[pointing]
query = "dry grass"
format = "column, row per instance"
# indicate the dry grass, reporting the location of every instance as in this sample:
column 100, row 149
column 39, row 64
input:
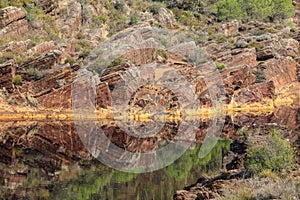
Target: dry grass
column 263, row 188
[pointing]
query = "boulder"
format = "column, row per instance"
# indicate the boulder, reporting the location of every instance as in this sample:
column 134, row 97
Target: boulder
column 166, row 18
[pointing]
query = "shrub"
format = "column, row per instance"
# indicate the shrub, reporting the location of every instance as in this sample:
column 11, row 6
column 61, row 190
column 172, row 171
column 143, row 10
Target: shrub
column 7, row 55
column 222, row 38
column 134, row 19
column 271, row 153
column 33, row 72
column 117, row 61
column 260, row 76
column 256, row 45
column 154, row 8
column 221, row 66
column 229, row 9
column 267, row 173
column 70, row 60
column 200, row 38
column 17, row 80
column 119, row 5
column 162, row 53
column 84, row 47
column 98, row 21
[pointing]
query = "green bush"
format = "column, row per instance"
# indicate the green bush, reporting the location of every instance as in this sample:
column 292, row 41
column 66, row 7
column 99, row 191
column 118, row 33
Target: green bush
column 254, row 9
column 70, row 60
column 84, row 47
column 271, row 153
column 33, row 72
column 221, row 66
column 260, row 76
column 7, row 55
column 134, row 19
column 256, row 45
column 162, row 53
column 154, row 8
column 222, row 38
column 17, row 80
column 117, row 61
column 229, row 9
column 98, row 21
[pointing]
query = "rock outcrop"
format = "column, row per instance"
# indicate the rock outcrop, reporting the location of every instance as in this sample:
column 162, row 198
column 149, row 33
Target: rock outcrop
column 7, row 72
column 71, row 19
column 167, row 18
column 281, row 71
column 47, row 5
column 46, row 61
column 12, row 21
column 230, row 28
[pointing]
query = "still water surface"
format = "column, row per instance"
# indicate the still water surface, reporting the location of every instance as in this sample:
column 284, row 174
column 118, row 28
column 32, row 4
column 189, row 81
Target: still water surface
column 33, row 166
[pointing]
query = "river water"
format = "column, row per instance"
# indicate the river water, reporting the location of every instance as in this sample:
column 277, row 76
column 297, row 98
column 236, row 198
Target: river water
column 46, row 160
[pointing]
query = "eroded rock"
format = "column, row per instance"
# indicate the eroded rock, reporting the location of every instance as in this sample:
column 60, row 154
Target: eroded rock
column 167, row 18
column 281, row 71
column 7, row 73
column 12, row 21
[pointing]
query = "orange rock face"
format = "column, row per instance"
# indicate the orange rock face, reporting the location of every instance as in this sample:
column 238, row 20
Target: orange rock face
column 281, row 71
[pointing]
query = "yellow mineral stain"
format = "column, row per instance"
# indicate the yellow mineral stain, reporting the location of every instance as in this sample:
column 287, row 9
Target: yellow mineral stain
column 231, row 109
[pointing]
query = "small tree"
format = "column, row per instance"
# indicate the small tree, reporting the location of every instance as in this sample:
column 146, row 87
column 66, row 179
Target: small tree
column 17, row 80
column 282, row 9
column 229, row 9
column 270, row 153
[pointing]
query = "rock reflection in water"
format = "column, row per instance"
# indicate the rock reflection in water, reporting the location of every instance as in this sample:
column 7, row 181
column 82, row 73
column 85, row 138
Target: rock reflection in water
column 47, row 159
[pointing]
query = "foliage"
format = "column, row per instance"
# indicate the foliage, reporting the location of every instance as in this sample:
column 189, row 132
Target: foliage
column 154, row 8
column 70, row 60
column 254, row 9
column 162, row 53
column 17, row 3
column 134, row 18
column 273, row 153
column 33, row 72
column 117, row 61
column 222, row 38
column 260, row 76
column 98, row 20
column 229, row 9
column 191, row 5
column 221, row 66
column 7, row 55
column 84, row 47
column 267, row 173
column 187, row 18
column 256, row 45
column 17, row 80
column 282, row 9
